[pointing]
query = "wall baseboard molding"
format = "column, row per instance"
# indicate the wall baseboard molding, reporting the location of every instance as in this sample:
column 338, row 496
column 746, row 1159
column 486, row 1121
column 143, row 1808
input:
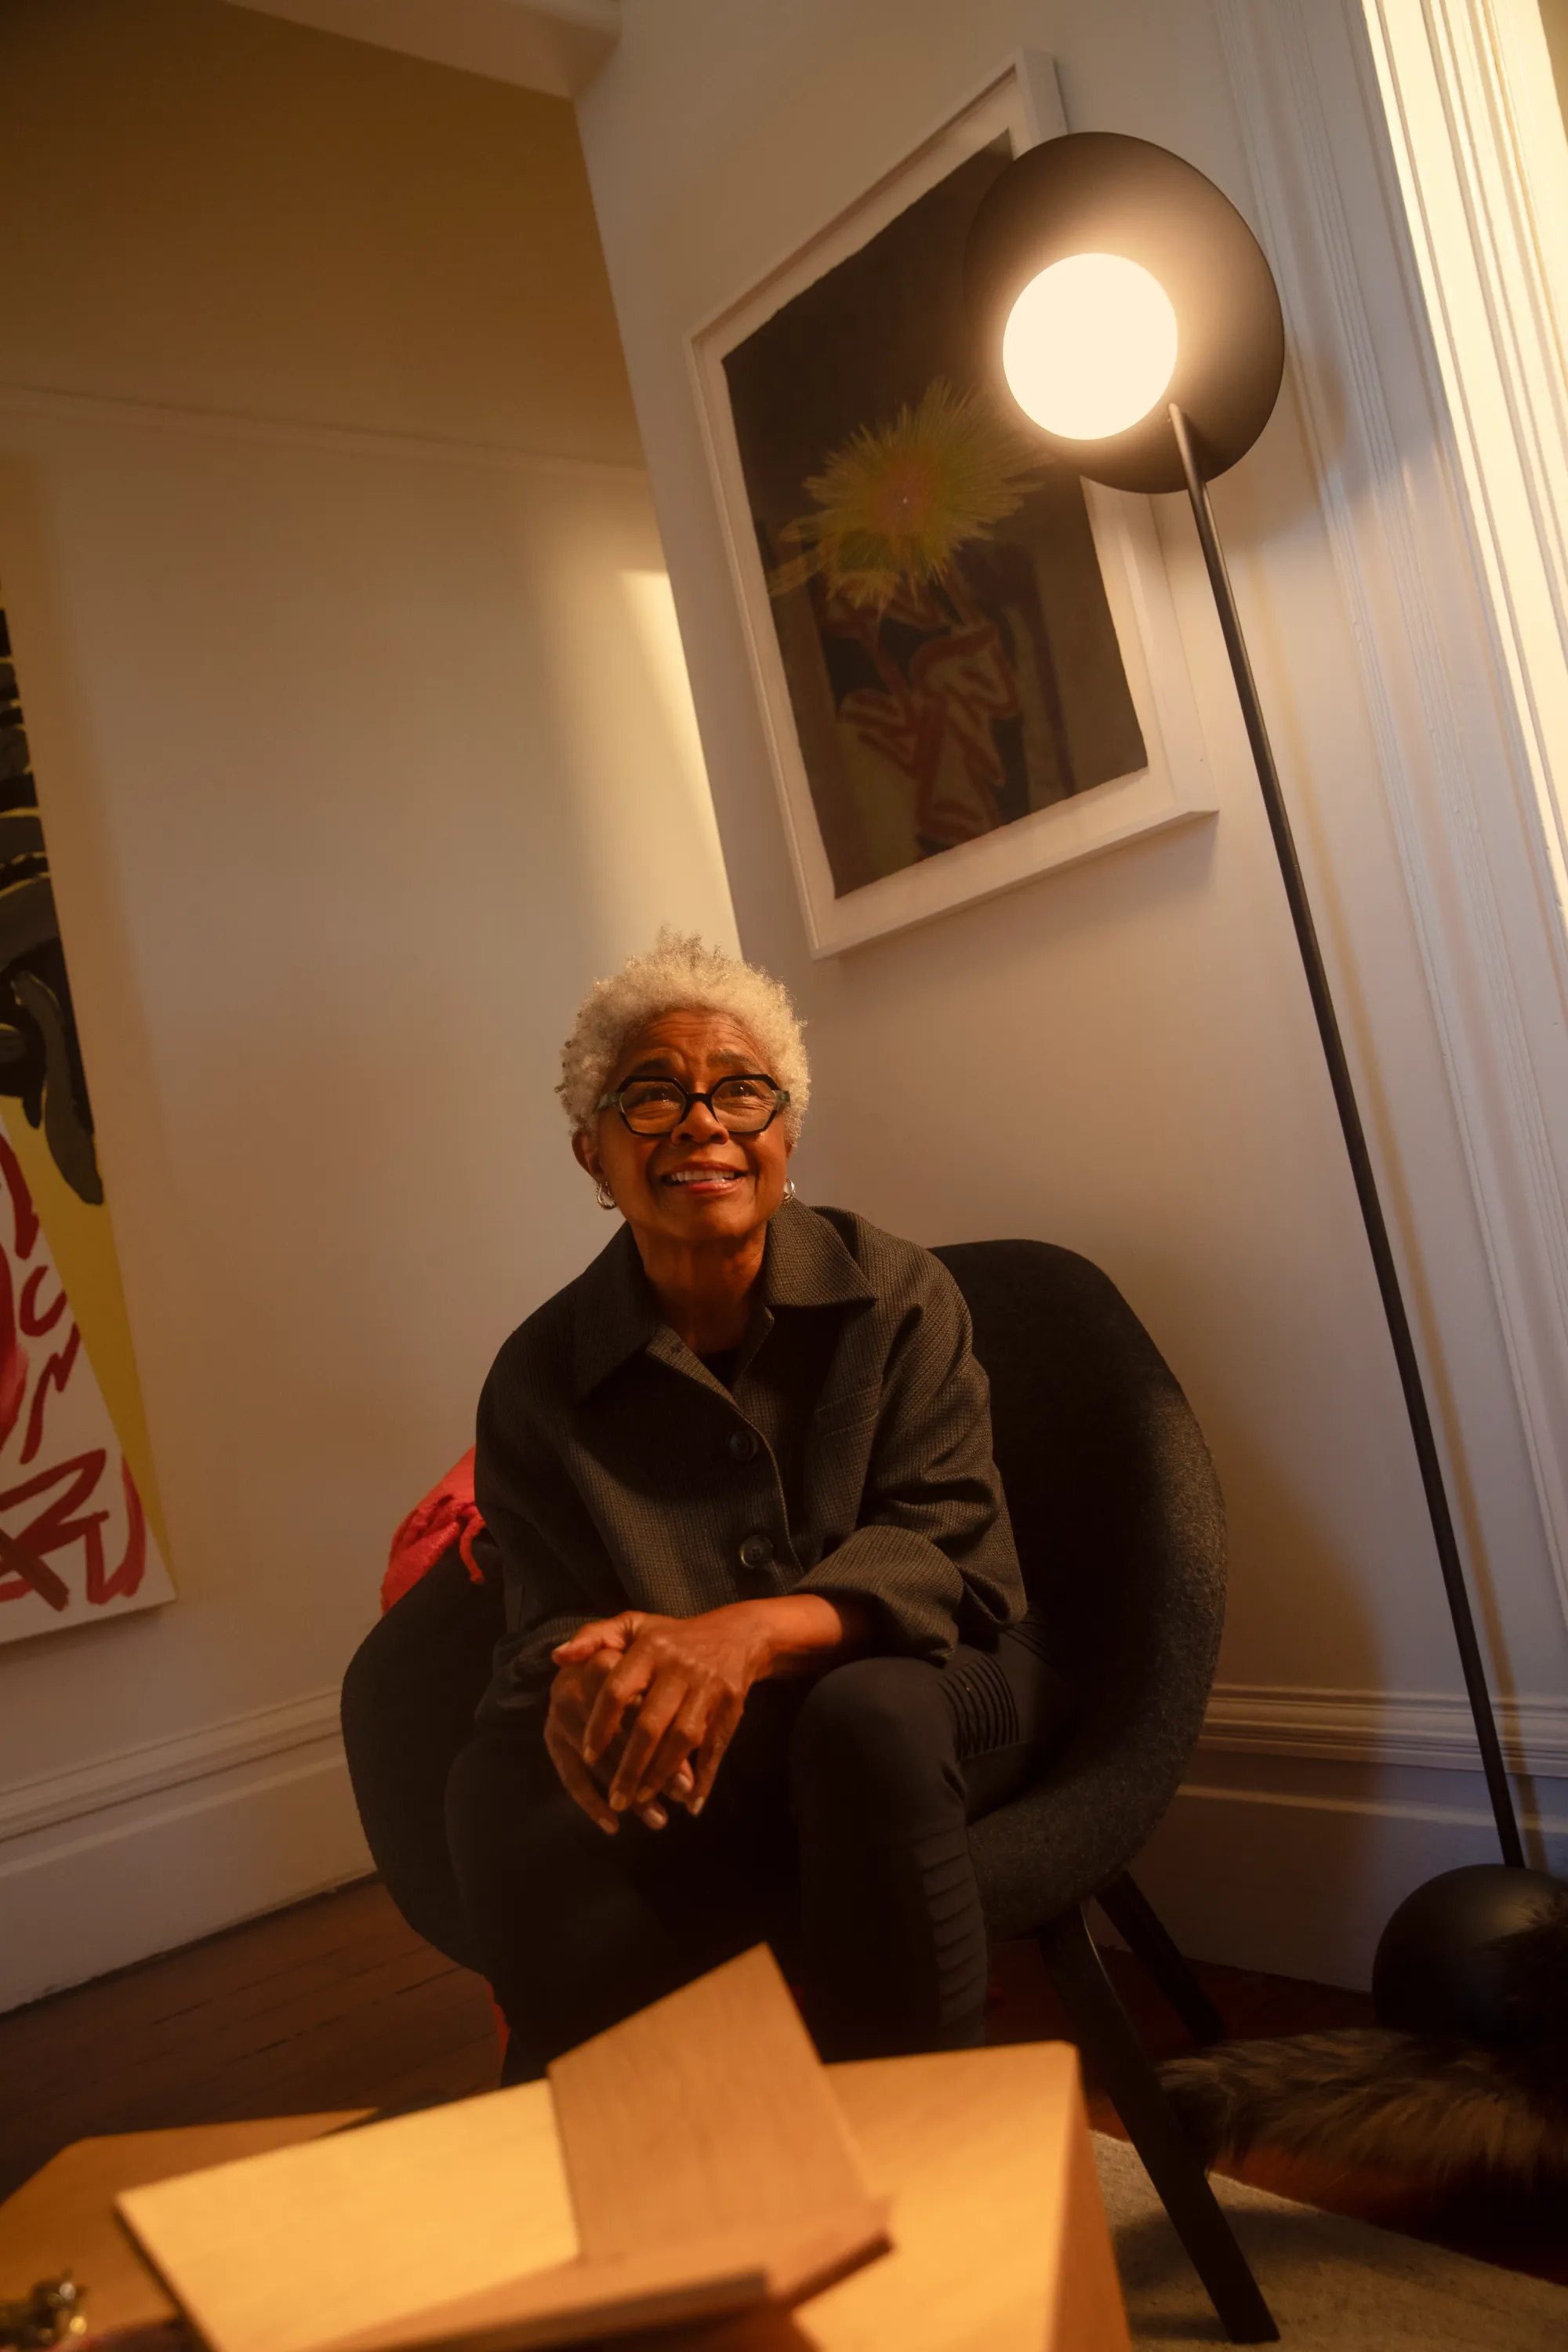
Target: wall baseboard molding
column 143, row 1880
column 1302, row 1884
column 156, row 1765
column 1420, row 1728
column 156, row 1845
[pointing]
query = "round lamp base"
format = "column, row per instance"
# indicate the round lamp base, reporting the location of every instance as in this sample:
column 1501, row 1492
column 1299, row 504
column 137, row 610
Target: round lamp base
column 1444, row 1962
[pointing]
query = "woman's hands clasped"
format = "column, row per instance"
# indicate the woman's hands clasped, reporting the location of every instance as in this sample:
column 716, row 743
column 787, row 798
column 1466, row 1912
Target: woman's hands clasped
column 643, row 1707
column 572, row 1696
column 653, row 1703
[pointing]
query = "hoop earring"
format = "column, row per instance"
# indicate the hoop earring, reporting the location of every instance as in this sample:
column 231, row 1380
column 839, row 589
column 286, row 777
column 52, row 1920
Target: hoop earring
column 603, row 1194
column 789, row 1188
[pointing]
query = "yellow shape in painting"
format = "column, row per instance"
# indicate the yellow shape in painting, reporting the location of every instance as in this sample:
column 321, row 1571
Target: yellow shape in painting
column 81, row 1240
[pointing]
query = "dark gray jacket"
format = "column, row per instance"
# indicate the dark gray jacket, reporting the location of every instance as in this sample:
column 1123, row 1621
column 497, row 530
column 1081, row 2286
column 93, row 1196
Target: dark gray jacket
column 852, row 1456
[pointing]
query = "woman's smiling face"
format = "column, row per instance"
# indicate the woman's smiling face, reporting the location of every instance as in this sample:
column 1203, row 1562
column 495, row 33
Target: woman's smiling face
column 698, row 1183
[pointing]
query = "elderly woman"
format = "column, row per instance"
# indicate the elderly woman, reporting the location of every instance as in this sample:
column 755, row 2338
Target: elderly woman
column 766, row 1650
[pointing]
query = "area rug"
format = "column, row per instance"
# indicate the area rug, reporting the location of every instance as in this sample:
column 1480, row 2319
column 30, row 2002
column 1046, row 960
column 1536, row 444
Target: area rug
column 1334, row 2286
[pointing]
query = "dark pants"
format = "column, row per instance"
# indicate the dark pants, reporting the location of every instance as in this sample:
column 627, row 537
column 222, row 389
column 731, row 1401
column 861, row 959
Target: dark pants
column 836, row 1832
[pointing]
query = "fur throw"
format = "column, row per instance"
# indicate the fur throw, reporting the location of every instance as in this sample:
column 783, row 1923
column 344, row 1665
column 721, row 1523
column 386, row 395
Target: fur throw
column 1450, row 2114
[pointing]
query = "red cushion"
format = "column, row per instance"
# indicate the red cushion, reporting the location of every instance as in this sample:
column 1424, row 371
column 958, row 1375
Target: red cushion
column 448, row 1515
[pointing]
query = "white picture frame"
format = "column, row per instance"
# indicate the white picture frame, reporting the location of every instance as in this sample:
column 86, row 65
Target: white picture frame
column 1173, row 788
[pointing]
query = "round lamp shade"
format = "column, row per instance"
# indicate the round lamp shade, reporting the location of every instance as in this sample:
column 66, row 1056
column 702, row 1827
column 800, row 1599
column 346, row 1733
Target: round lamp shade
column 1106, row 279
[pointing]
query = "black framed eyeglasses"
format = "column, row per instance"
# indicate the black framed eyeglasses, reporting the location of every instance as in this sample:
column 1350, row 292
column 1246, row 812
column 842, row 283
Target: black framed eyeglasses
column 742, row 1106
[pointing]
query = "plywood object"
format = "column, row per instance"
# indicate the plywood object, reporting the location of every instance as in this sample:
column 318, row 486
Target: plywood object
column 1000, row 2238
column 711, row 2107
column 710, row 2168
column 1001, row 2242
column 999, row 2230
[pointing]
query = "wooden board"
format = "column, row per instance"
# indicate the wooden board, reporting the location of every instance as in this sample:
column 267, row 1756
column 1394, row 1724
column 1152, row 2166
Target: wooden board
column 710, row 2166
column 695, row 2280
column 285, row 2252
column 1000, row 2238
column 1002, row 2242
column 710, row 2111
column 64, row 2218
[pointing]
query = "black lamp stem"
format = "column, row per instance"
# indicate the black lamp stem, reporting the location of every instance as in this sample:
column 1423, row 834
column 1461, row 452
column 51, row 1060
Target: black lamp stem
column 1359, row 1159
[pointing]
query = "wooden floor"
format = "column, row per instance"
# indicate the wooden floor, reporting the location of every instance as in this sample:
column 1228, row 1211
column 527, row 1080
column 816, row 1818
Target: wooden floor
column 335, row 2004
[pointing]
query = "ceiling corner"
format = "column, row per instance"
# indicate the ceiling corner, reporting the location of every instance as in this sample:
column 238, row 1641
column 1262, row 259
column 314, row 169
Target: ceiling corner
column 555, row 46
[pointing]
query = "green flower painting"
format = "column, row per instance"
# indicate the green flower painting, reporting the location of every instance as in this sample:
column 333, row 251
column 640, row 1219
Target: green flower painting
column 944, row 626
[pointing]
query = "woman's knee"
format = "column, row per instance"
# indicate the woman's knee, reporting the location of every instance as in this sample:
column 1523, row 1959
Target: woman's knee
column 875, row 1730
column 522, row 1852
column 565, row 1936
column 501, row 1797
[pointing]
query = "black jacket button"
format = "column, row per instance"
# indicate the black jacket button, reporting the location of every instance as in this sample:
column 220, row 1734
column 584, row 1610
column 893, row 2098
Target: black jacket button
column 756, row 1552
column 743, row 1446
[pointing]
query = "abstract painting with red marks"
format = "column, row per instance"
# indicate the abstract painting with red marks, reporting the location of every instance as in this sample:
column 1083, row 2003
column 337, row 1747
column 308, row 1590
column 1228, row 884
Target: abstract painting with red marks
column 951, row 661
column 77, row 1537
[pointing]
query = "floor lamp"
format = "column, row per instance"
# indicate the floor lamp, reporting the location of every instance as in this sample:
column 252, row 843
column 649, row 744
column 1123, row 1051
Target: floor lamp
column 1124, row 304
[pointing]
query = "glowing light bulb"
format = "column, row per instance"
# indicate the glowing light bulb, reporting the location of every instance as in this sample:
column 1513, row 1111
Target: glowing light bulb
column 1089, row 346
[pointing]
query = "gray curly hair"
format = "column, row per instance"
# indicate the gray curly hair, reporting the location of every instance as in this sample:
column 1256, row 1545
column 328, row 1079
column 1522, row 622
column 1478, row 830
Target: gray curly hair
column 678, row 972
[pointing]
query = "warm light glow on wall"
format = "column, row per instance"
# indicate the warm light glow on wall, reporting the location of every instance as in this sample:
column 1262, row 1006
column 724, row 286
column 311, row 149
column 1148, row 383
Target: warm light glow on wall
column 1089, row 346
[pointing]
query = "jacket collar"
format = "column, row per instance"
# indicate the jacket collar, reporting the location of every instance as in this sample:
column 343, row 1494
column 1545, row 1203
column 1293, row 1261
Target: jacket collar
column 807, row 1265
column 616, row 1315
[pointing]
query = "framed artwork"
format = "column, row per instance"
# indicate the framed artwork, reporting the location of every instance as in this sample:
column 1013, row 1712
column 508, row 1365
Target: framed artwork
column 967, row 657
column 79, row 1536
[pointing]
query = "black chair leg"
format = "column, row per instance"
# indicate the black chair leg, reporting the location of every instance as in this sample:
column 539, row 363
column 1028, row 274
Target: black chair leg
column 1135, row 1919
column 1106, row 2037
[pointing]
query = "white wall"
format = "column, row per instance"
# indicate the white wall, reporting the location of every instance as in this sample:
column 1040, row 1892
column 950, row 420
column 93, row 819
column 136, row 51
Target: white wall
column 1140, row 1023
column 362, row 744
